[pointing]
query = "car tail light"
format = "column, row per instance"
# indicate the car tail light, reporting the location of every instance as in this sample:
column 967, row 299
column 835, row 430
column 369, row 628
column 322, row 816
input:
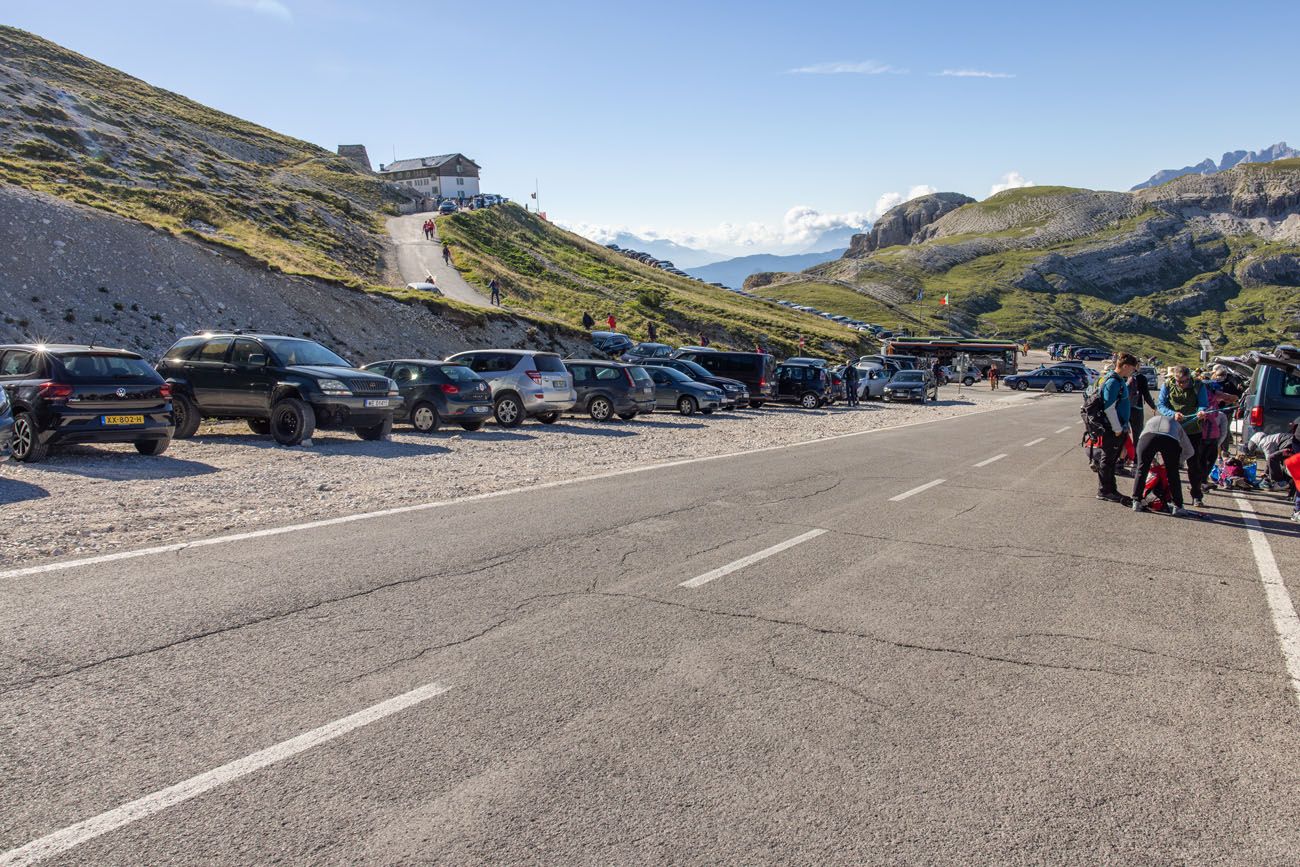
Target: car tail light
column 165, row 391
column 628, row 373
column 54, row 391
column 535, row 376
column 448, row 388
column 1257, row 416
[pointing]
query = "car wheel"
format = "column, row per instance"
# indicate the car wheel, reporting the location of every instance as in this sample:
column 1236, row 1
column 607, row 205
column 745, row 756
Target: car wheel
column 756, row 404
column 1022, row 385
column 375, row 432
column 27, row 446
column 1067, row 387
column 509, row 412
column 548, row 417
column 627, row 416
column 152, row 447
column 706, row 411
column 185, row 416
column 260, row 426
column 810, row 401
column 687, row 405
column 472, row 425
column 968, row 381
column 425, row 417
column 600, row 408
column 292, row 421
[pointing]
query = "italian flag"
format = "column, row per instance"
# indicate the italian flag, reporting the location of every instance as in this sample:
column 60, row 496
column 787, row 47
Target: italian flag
column 943, row 302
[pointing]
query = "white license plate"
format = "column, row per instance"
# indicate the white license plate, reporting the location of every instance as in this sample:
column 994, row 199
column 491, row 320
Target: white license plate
column 559, row 383
column 479, row 409
column 377, row 402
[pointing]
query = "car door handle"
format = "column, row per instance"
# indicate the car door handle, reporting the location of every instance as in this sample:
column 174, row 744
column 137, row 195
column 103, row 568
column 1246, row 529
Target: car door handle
column 228, row 370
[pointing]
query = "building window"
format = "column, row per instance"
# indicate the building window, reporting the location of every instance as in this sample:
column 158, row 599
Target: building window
column 460, row 182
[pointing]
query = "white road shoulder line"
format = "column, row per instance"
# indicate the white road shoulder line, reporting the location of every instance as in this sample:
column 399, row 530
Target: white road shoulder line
column 1034, row 442
column 1280, row 604
column 1061, row 429
column 917, row 490
column 987, row 461
column 75, row 835
column 700, row 580
column 438, row 504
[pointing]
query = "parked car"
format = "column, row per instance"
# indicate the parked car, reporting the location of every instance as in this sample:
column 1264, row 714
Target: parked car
column 64, row 394
column 915, row 385
column 676, row 390
column 607, row 388
column 815, row 362
column 424, row 287
column 734, row 393
column 436, row 392
column 643, row 351
column 6, row 424
column 447, row 207
column 757, row 370
column 285, row 386
column 610, row 343
column 805, row 384
column 1061, row 378
column 1272, row 401
column 524, row 384
column 872, row 379
column 1079, row 366
column 1091, row 353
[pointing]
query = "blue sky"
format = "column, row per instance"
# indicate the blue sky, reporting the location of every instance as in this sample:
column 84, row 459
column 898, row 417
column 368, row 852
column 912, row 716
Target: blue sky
column 710, row 122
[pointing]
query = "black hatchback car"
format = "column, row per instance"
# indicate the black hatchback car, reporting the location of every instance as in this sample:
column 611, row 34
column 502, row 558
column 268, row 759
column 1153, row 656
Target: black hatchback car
column 436, row 392
column 64, row 394
column 735, row 395
column 607, row 388
column 808, row 385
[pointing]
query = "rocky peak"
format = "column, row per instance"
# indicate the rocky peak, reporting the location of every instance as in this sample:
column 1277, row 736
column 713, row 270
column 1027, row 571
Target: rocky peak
column 1207, row 166
column 901, row 223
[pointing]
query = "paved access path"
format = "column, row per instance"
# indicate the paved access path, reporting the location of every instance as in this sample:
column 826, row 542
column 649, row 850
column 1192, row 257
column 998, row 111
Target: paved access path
column 921, row 645
column 418, row 258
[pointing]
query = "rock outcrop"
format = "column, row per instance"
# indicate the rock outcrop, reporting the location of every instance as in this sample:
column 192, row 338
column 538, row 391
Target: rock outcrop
column 902, row 223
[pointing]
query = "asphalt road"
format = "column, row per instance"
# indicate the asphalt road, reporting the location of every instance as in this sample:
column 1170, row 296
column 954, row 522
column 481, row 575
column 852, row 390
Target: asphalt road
column 417, row 258
column 996, row 668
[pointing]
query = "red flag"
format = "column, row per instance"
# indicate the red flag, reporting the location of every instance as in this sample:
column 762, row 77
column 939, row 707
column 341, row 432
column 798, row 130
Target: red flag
column 943, row 302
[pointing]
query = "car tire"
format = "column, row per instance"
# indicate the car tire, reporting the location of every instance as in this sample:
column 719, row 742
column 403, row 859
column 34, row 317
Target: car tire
column 424, row 417
column 968, row 381
column 185, row 416
column 260, row 426
column 687, row 405
column 548, row 417
column 706, row 412
column 756, row 404
column 152, row 448
column 810, row 400
column 627, row 416
column 27, row 446
column 1067, row 387
column 472, row 425
column 509, row 411
column 374, row 433
column 1022, row 385
column 600, row 409
column 292, row 421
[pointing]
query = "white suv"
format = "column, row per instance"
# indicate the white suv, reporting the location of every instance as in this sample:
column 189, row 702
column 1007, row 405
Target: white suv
column 524, row 384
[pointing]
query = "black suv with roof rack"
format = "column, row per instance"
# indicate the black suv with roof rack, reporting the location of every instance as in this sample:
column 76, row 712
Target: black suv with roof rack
column 284, row 386
column 64, row 394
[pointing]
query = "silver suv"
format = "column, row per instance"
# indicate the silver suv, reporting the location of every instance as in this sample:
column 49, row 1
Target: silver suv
column 524, row 384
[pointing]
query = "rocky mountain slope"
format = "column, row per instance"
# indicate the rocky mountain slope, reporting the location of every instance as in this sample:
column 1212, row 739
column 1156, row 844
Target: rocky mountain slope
column 1207, row 166
column 1214, row 256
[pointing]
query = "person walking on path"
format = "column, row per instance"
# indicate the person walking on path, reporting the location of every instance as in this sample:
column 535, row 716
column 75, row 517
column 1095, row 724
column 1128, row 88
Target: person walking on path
column 1164, row 437
column 446, row 255
column 1116, row 412
column 994, row 376
column 587, row 322
column 704, row 340
column 851, row 383
column 1185, row 401
column 611, row 322
column 495, row 286
column 652, row 332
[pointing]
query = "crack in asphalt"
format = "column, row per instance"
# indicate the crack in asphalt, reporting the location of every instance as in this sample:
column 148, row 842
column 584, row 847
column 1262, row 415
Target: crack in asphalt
column 1145, row 650
column 806, row 496
column 824, row 681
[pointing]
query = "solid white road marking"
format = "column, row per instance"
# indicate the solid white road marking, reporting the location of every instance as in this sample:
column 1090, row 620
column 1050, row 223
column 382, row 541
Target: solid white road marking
column 74, row 835
column 917, row 490
column 700, row 580
column 1034, row 442
column 985, row 463
column 1061, row 429
column 438, row 504
column 1280, row 605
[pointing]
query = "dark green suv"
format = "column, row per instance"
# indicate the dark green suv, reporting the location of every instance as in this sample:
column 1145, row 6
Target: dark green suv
column 284, row 386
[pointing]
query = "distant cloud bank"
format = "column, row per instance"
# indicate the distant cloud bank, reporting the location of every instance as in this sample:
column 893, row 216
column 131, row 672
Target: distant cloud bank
column 1010, row 181
column 973, row 73
column 269, row 8
column 801, row 227
column 847, row 67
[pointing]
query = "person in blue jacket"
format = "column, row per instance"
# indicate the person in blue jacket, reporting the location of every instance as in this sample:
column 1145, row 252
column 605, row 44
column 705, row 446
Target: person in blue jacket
column 1186, row 401
column 1117, row 409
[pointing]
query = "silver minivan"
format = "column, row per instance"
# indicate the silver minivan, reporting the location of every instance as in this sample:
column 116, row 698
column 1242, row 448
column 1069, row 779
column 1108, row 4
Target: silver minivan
column 524, row 384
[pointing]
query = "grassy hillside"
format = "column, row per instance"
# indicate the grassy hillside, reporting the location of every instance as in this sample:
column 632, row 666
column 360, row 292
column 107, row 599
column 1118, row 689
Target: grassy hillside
column 551, row 272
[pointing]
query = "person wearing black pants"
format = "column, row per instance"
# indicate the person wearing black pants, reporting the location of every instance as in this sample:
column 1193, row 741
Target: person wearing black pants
column 1165, row 437
column 1115, row 407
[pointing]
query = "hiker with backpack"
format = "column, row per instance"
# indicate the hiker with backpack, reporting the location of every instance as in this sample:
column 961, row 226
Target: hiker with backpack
column 1165, row 438
column 1185, row 400
column 1109, row 413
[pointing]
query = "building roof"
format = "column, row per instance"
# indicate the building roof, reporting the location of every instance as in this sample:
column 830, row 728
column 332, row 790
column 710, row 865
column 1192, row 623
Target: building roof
column 425, row 163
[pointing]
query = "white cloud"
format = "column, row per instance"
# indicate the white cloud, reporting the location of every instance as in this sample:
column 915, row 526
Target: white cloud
column 800, row 227
column 270, row 8
column 1010, row 181
column 891, row 200
column 974, row 73
column 847, row 67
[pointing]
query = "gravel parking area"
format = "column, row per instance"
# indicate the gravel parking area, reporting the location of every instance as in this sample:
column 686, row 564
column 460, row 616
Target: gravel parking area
column 87, row 501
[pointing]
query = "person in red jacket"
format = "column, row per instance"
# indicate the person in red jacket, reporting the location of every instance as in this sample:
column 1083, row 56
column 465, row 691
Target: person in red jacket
column 994, row 376
column 610, row 320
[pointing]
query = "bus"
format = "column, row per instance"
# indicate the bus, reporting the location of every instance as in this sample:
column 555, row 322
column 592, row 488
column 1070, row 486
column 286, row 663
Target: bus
column 978, row 352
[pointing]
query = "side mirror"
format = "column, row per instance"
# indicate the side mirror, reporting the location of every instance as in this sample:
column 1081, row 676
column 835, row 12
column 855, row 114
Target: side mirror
column 257, row 359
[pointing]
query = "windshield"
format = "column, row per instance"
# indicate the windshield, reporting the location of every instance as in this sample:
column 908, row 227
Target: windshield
column 91, row 367
column 293, row 352
column 693, row 369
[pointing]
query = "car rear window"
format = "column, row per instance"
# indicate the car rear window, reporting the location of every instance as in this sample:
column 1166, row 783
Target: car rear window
column 90, row 367
column 639, row 375
column 549, row 363
column 459, row 373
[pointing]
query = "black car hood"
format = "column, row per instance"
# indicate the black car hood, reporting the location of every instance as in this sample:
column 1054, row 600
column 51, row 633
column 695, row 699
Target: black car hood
column 323, row 371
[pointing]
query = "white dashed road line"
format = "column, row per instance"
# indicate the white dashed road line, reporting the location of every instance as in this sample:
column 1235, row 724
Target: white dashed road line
column 1034, row 442
column 1280, row 604
column 987, row 461
column 700, row 580
column 75, row 835
column 1061, row 429
column 917, row 490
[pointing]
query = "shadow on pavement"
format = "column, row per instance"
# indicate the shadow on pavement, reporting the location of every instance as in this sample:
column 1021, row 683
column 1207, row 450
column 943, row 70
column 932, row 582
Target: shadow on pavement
column 612, row 429
column 493, row 435
column 95, row 464
column 14, row 491
column 641, row 421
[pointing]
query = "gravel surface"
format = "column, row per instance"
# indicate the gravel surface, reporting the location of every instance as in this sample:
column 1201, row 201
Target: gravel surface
column 90, row 500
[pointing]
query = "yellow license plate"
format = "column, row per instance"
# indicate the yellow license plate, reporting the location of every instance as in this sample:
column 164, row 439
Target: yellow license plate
column 123, row 419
